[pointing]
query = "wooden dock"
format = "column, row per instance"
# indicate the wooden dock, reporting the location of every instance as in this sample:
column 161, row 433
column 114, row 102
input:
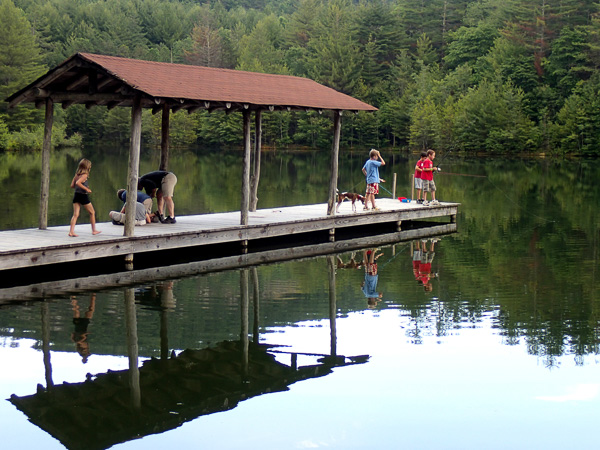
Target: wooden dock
column 29, row 248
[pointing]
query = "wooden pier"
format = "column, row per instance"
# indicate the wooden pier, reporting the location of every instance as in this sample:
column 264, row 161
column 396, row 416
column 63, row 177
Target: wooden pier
column 28, row 248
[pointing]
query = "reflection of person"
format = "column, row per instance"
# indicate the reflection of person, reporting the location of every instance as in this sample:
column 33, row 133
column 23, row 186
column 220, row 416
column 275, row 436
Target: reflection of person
column 427, row 175
column 369, row 286
column 80, row 334
column 371, row 171
column 81, row 197
column 351, row 264
column 143, row 207
column 160, row 184
column 423, row 274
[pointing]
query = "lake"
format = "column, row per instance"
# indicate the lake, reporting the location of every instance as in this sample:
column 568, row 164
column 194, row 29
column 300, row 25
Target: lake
column 484, row 338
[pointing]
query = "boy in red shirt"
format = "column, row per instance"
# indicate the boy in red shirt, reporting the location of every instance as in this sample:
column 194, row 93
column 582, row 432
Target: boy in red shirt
column 427, row 176
column 417, row 177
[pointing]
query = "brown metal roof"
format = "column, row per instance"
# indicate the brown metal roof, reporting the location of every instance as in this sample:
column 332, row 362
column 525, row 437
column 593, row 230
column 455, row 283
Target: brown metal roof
column 114, row 81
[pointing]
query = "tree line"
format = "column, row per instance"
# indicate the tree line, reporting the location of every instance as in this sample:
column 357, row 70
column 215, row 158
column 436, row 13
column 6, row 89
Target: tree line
column 496, row 76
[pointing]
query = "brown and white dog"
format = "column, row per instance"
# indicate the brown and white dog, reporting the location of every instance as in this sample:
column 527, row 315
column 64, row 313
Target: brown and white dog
column 353, row 197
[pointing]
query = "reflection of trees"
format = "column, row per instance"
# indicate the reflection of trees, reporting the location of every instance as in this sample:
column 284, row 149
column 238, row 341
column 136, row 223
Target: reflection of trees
column 527, row 248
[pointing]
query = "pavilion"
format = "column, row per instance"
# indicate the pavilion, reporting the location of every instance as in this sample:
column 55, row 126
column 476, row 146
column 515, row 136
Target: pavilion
column 98, row 80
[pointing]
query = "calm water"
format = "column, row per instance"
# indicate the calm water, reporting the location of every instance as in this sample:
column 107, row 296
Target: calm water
column 501, row 351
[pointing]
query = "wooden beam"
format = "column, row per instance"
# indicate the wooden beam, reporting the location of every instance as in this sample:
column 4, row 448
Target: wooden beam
column 105, row 82
column 78, row 82
column 82, row 97
column 335, row 150
column 28, row 93
column 193, row 109
column 256, row 161
column 134, row 166
column 164, row 138
column 45, row 180
column 246, row 169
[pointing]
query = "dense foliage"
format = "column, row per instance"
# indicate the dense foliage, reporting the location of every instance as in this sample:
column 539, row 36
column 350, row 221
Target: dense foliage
column 499, row 76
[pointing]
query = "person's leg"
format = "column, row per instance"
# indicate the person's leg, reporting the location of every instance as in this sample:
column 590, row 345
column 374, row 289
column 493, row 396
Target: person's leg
column 117, row 216
column 90, row 209
column 170, row 206
column 76, row 209
column 160, row 203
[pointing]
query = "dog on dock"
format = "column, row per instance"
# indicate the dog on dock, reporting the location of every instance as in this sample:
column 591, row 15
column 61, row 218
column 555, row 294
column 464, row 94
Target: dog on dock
column 353, row 197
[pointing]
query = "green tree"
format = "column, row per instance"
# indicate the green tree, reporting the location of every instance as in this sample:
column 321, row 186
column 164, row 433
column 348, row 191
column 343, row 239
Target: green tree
column 334, row 58
column 20, row 64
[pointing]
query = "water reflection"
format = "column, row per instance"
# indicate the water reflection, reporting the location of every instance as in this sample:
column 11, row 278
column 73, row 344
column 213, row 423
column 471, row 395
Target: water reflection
column 175, row 343
column 80, row 333
column 161, row 394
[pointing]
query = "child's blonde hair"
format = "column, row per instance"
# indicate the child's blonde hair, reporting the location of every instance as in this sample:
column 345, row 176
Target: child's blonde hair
column 84, row 167
column 372, row 153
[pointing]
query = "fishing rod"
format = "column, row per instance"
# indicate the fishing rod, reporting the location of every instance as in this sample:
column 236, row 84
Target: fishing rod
column 460, row 174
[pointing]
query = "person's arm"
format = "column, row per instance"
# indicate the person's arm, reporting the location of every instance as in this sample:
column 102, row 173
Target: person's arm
column 381, row 159
column 364, row 171
column 73, row 182
column 80, row 182
column 148, row 219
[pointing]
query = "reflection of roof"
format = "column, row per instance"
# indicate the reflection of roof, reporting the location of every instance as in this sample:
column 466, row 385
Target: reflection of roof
column 109, row 80
column 97, row 414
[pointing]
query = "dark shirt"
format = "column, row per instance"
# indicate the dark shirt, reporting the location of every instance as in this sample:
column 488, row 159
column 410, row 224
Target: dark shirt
column 151, row 181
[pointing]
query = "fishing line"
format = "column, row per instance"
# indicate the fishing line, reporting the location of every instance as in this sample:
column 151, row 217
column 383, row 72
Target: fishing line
column 392, row 258
column 518, row 205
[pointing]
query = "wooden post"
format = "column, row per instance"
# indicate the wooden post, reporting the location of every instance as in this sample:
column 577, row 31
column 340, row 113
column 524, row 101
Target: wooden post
column 132, row 348
column 246, row 170
column 164, row 138
column 45, row 182
column 134, row 167
column 244, row 339
column 46, row 344
column 412, row 187
column 394, row 186
column 257, row 149
column 256, row 304
column 332, row 305
column 333, row 173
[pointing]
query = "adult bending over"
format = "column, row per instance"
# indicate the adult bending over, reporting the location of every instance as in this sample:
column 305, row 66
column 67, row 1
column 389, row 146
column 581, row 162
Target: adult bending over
column 160, row 184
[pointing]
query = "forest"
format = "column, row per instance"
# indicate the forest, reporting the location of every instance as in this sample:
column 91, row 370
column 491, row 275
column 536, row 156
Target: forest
column 483, row 76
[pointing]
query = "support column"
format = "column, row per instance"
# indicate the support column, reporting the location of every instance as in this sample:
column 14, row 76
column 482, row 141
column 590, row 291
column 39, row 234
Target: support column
column 256, row 305
column 333, row 173
column 246, row 170
column 134, row 168
column 257, row 149
column 46, row 345
column 164, row 138
column 132, row 348
column 332, row 305
column 45, row 182
column 244, row 339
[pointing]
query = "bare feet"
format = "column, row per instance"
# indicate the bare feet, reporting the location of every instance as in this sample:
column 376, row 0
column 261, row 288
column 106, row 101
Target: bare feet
column 73, row 235
column 96, row 232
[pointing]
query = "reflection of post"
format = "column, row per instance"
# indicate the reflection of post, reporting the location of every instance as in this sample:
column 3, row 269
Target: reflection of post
column 244, row 319
column 132, row 347
column 46, row 345
column 164, row 335
column 256, row 304
column 332, row 305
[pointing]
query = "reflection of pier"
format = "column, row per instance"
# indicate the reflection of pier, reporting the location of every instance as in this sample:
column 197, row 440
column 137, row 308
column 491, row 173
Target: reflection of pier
column 35, row 248
column 98, row 414
column 127, row 278
column 164, row 393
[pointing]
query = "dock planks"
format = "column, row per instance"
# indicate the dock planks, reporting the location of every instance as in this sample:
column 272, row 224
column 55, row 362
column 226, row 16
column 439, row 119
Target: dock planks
column 34, row 247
